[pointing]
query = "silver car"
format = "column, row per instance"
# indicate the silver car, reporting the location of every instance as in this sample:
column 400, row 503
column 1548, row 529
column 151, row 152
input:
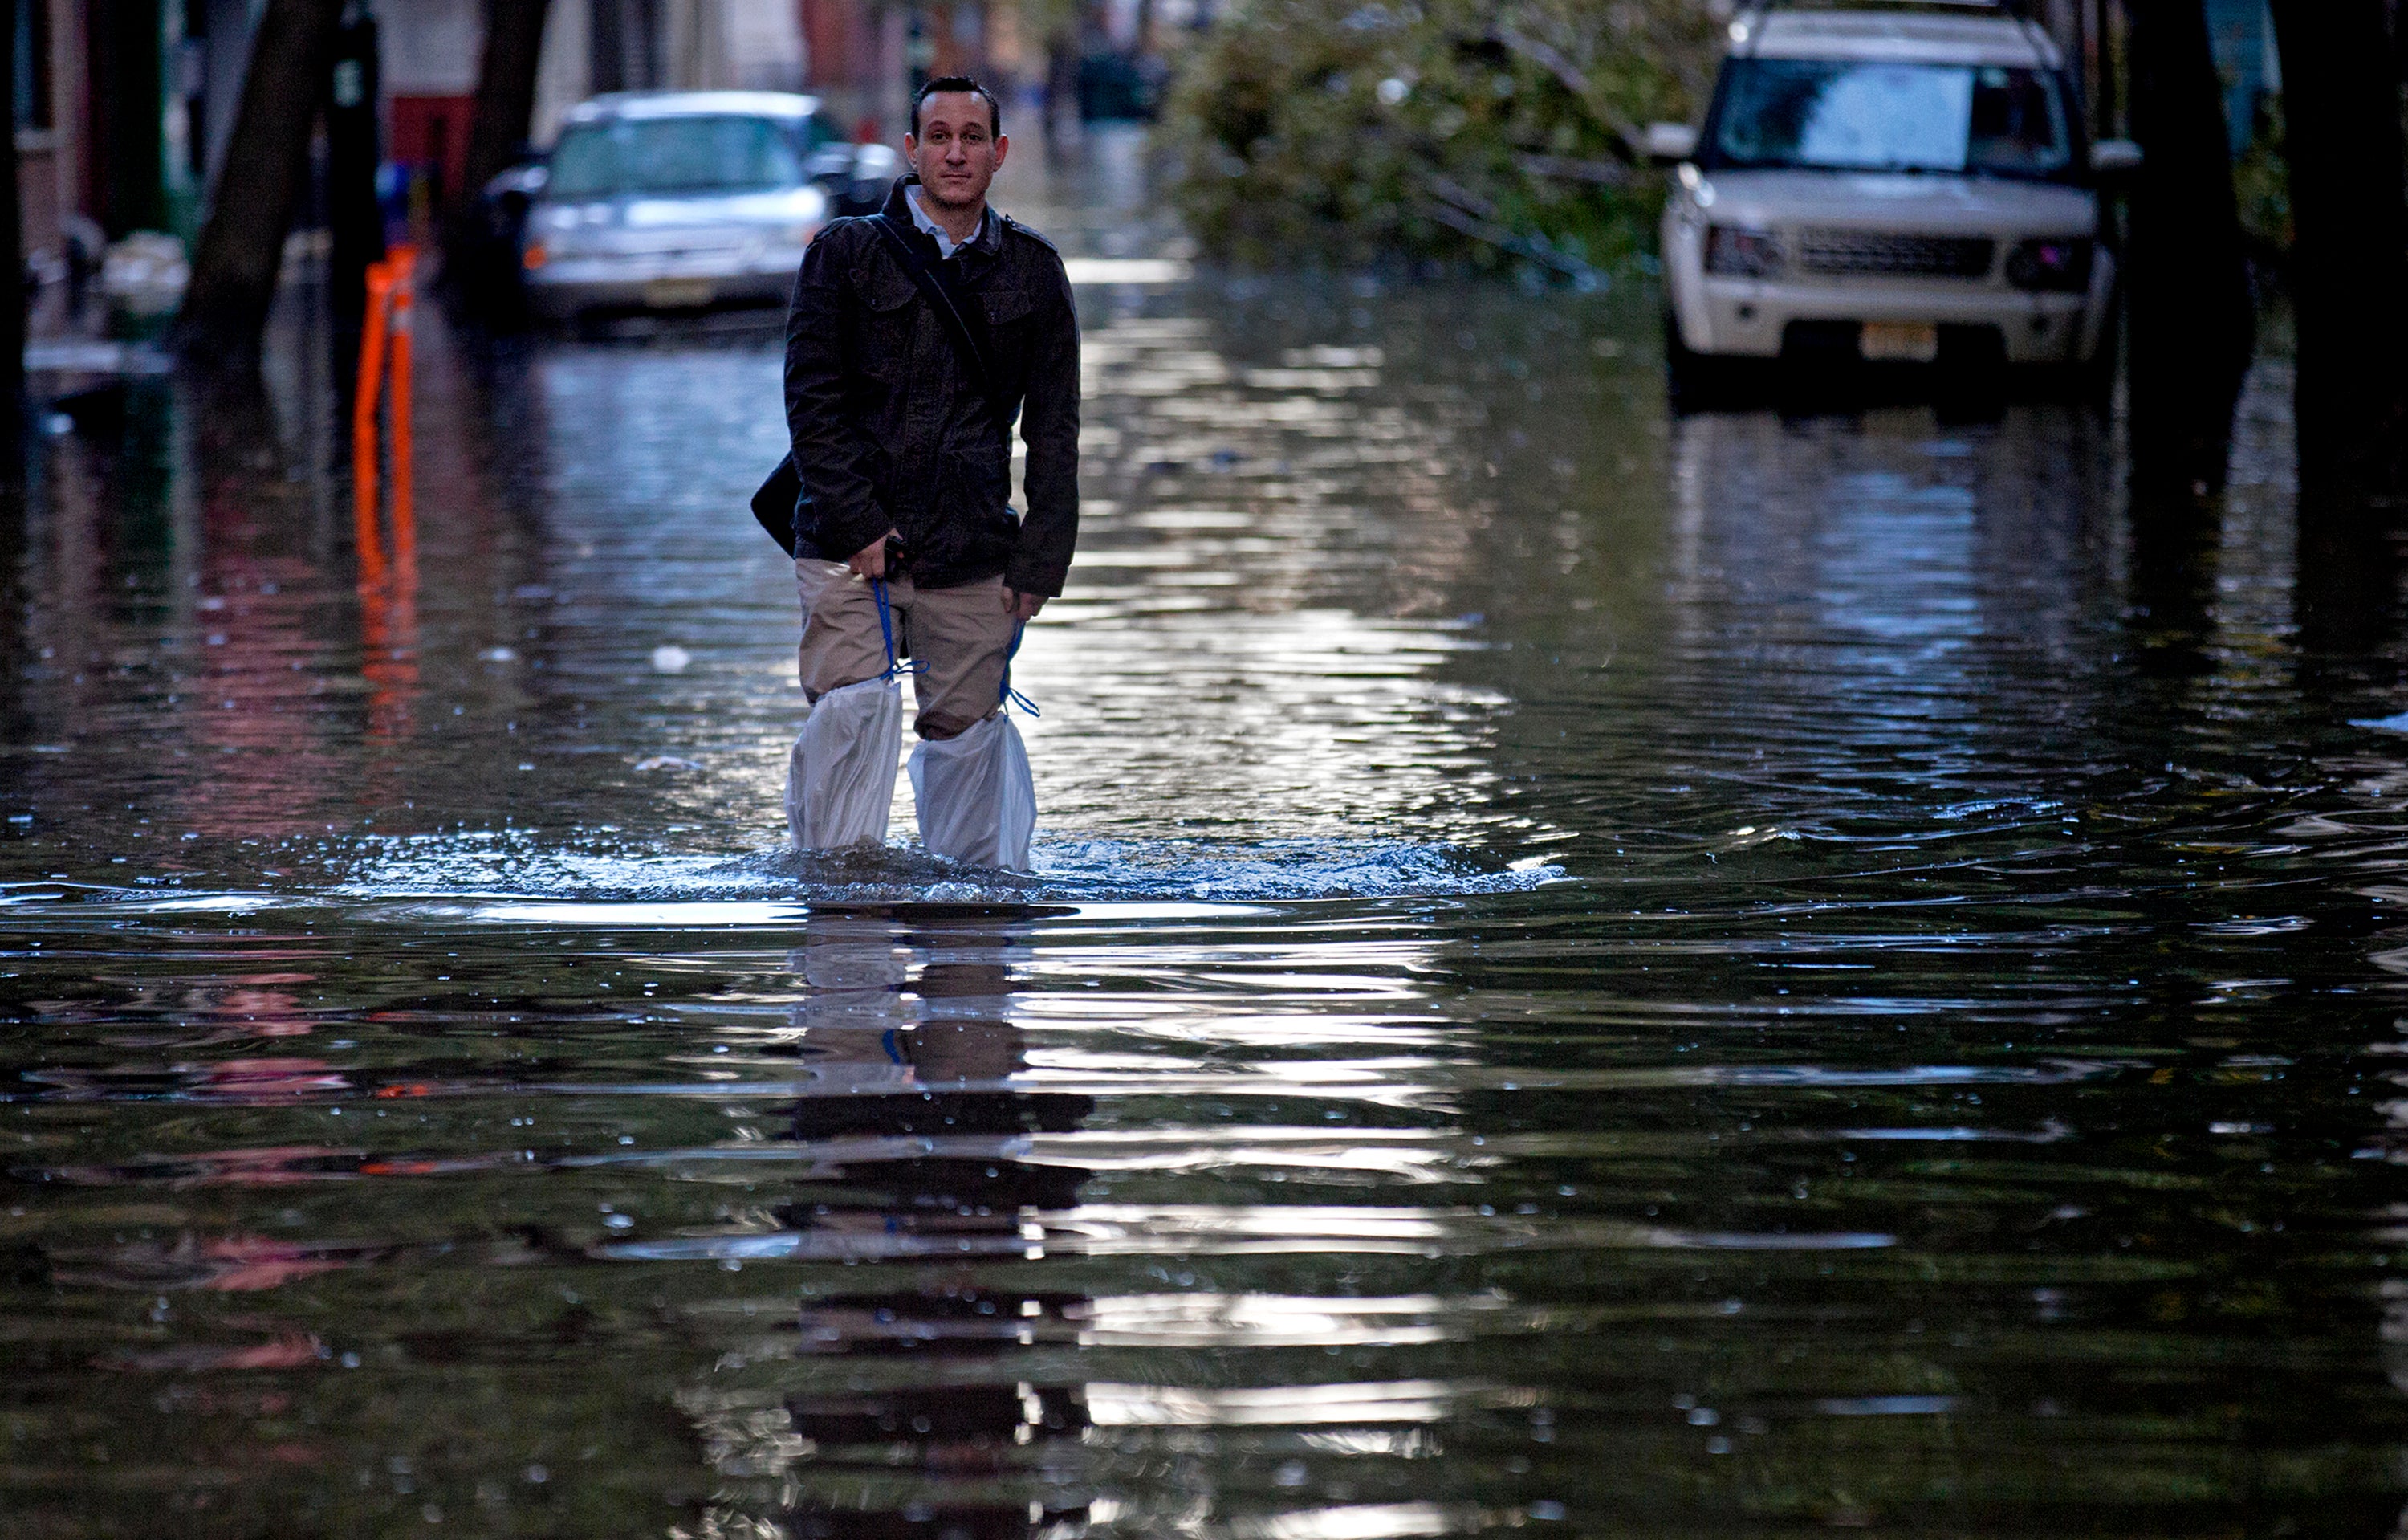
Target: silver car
column 679, row 200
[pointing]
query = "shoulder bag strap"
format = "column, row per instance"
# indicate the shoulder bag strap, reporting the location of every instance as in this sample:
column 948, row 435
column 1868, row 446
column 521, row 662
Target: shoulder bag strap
column 956, row 329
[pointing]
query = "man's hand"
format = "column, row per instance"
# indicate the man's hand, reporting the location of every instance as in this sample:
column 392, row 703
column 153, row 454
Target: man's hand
column 870, row 560
column 1022, row 606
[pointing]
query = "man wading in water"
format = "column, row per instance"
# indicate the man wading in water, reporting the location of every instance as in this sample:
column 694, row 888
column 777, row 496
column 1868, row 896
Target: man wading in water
column 917, row 335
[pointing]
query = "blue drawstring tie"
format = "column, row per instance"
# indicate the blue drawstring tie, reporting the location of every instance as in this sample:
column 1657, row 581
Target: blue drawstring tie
column 1010, row 696
column 895, row 668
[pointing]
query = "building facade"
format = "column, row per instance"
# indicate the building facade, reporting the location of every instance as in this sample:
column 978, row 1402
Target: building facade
column 595, row 46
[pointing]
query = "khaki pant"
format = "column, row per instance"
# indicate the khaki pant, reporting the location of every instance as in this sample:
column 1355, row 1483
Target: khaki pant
column 961, row 637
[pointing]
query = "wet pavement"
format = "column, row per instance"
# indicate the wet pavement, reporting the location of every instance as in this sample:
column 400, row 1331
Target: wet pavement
column 1587, row 973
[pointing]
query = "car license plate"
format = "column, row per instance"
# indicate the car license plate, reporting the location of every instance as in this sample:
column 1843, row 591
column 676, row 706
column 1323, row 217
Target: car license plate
column 677, row 293
column 1898, row 341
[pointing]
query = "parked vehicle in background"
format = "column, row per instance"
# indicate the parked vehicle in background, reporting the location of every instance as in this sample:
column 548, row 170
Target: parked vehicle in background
column 679, row 200
column 1908, row 184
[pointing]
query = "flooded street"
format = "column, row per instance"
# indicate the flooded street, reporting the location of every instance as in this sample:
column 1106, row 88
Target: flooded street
column 1587, row 973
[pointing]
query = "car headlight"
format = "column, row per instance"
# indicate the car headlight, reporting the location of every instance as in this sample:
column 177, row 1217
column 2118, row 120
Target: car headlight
column 2062, row 265
column 1734, row 253
column 810, row 211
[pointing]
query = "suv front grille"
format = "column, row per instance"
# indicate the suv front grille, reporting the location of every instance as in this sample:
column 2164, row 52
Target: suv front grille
column 1913, row 256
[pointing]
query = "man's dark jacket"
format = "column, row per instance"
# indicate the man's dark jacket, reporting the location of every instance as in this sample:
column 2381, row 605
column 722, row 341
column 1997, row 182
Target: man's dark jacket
column 891, row 432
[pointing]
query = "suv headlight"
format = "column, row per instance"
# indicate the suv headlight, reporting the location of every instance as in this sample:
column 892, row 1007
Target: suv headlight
column 2057, row 265
column 553, row 231
column 1743, row 253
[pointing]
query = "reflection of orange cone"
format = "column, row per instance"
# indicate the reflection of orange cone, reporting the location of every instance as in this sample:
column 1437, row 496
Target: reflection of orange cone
column 389, row 654
column 404, row 481
column 366, row 536
column 389, row 609
column 385, row 356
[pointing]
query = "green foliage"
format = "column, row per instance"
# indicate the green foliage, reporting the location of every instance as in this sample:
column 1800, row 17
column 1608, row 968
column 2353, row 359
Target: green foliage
column 1342, row 129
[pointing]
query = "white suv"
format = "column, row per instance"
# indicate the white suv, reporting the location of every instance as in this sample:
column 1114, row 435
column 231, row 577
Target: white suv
column 1903, row 184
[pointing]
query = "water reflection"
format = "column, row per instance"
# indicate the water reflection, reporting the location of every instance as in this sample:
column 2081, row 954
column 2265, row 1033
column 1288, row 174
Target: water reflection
column 906, row 1409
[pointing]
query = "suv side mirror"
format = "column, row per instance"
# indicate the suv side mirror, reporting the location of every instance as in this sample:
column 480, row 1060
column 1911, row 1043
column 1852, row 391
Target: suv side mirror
column 877, row 163
column 524, row 181
column 1669, row 144
column 2114, row 157
column 855, row 177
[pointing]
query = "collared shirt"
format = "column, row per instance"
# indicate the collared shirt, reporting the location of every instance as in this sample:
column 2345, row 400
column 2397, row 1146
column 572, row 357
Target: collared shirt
column 947, row 245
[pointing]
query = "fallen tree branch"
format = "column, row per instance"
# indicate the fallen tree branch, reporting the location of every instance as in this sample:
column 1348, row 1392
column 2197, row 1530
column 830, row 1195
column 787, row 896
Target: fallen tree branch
column 1574, row 80
column 1451, row 192
column 1467, row 213
column 1569, row 168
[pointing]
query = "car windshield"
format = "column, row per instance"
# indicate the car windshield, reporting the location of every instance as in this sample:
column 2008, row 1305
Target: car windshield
column 692, row 154
column 1840, row 115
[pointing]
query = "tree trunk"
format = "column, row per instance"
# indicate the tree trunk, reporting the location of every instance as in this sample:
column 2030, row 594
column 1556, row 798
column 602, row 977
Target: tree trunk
column 265, row 172
column 2349, row 256
column 2192, row 320
column 12, row 310
column 506, row 81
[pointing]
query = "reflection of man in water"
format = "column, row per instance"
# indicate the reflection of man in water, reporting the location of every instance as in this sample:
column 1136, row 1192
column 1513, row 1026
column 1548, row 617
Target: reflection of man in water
column 957, row 1444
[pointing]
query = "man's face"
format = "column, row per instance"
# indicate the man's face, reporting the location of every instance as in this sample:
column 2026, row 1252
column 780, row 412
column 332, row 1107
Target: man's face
column 956, row 152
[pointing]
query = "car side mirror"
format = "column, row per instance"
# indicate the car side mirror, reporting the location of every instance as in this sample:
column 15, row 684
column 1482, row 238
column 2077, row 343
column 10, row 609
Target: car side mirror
column 1669, row 144
column 523, row 181
column 2114, row 157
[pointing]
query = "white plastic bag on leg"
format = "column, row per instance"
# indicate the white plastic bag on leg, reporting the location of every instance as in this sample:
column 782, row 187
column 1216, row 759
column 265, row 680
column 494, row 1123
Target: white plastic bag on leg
column 976, row 800
column 841, row 777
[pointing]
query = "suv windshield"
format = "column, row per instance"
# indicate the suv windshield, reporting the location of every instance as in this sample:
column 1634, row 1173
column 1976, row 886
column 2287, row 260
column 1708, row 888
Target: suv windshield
column 697, row 154
column 1841, row 115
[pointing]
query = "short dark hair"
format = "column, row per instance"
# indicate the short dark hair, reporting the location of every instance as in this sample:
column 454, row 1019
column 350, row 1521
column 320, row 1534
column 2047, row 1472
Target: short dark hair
column 961, row 83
